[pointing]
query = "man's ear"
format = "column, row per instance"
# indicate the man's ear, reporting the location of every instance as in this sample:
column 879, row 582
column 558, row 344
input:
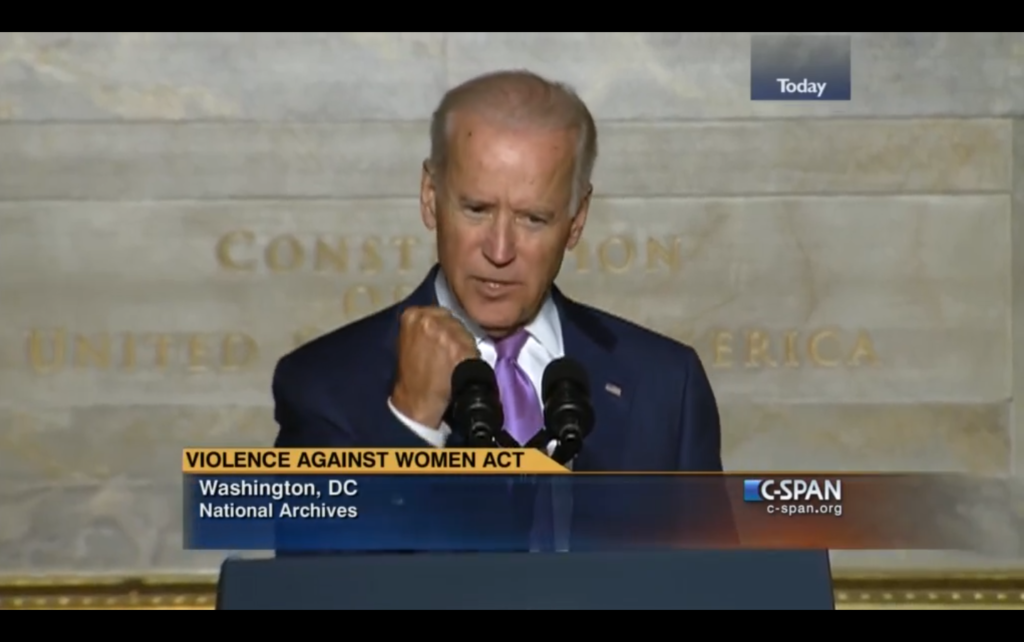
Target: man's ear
column 579, row 220
column 428, row 196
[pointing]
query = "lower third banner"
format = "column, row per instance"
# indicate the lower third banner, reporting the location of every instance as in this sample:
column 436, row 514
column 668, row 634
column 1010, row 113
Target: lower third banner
column 342, row 512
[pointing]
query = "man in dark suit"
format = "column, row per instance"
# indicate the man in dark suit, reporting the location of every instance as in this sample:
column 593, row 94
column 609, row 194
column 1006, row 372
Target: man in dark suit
column 507, row 191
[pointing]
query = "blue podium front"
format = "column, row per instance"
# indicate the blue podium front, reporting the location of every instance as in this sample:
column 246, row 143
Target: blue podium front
column 677, row 580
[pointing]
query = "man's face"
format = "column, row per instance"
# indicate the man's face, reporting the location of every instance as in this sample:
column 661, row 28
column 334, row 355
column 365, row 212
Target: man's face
column 501, row 213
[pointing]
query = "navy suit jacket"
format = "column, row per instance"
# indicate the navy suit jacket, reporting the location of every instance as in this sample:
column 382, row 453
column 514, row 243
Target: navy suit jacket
column 653, row 404
column 654, row 411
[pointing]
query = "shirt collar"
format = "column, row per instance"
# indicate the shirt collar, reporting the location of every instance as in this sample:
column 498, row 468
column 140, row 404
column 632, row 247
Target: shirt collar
column 546, row 327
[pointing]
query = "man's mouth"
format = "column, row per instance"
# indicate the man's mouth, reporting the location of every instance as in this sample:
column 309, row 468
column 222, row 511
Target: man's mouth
column 495, row 287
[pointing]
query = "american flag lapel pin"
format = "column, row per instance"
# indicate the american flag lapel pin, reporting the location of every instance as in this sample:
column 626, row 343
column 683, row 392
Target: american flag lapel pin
column 613, row 389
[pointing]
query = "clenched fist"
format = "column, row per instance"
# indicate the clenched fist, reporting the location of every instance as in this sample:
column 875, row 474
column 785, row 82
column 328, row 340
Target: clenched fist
column 431, row 343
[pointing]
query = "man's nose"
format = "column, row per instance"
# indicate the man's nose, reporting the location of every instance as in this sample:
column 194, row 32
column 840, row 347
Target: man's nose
column 500, row 245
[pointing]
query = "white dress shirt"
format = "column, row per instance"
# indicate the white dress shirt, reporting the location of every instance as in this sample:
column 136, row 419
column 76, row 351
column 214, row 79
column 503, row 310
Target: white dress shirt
column 543, row 346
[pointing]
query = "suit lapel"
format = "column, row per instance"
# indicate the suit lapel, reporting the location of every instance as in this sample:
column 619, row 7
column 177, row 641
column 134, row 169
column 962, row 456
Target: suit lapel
column 589, row 341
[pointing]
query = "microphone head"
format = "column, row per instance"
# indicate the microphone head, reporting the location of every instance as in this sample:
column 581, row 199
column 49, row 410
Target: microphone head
column 475, row 410
column 473, row 372
column 564, row 370
column 567, row 410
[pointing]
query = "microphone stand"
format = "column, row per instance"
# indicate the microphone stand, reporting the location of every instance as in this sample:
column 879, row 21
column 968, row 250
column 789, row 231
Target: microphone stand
column 562, row 453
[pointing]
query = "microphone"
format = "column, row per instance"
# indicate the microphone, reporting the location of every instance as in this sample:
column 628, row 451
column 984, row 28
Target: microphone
column 476, row 406
column 568, row 414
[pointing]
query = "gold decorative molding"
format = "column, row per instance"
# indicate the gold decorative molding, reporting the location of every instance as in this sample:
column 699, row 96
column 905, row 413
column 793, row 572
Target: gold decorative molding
column 853, row 592
column 182, row 593
column 933, row 591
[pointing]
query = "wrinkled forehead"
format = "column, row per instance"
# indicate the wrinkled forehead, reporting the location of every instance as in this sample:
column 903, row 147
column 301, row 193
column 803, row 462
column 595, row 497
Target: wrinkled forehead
column 479, row 144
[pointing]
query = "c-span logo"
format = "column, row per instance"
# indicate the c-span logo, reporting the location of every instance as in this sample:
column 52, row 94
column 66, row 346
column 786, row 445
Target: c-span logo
column 800, row 67
column 752, row 490
column 788, row 490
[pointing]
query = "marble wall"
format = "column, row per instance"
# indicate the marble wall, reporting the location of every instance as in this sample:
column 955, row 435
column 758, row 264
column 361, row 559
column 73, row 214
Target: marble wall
column 178, row 210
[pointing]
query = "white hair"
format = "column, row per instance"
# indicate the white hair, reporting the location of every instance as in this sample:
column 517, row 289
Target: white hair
column 520, row 98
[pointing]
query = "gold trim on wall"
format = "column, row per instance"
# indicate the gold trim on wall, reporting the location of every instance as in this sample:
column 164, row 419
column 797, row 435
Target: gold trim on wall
column 853, row 592
column 188, row 593
column 949, row 591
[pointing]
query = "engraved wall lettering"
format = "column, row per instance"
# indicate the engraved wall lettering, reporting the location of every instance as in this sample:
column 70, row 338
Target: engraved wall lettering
column 863, row 352
column 46, row 356
column 616, row 254
column 52, row 351
column 359, row 300
column 284, row 254
column 761, row 348
column 242, row 251
column 238, row 351
column 228, row 251
column 92, row 352
column 245, row 251
column 622, row 254
column 665, row 253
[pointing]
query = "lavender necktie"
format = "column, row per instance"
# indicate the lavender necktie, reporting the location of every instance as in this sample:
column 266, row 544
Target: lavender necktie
column 523, row 420
column 523, row 417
